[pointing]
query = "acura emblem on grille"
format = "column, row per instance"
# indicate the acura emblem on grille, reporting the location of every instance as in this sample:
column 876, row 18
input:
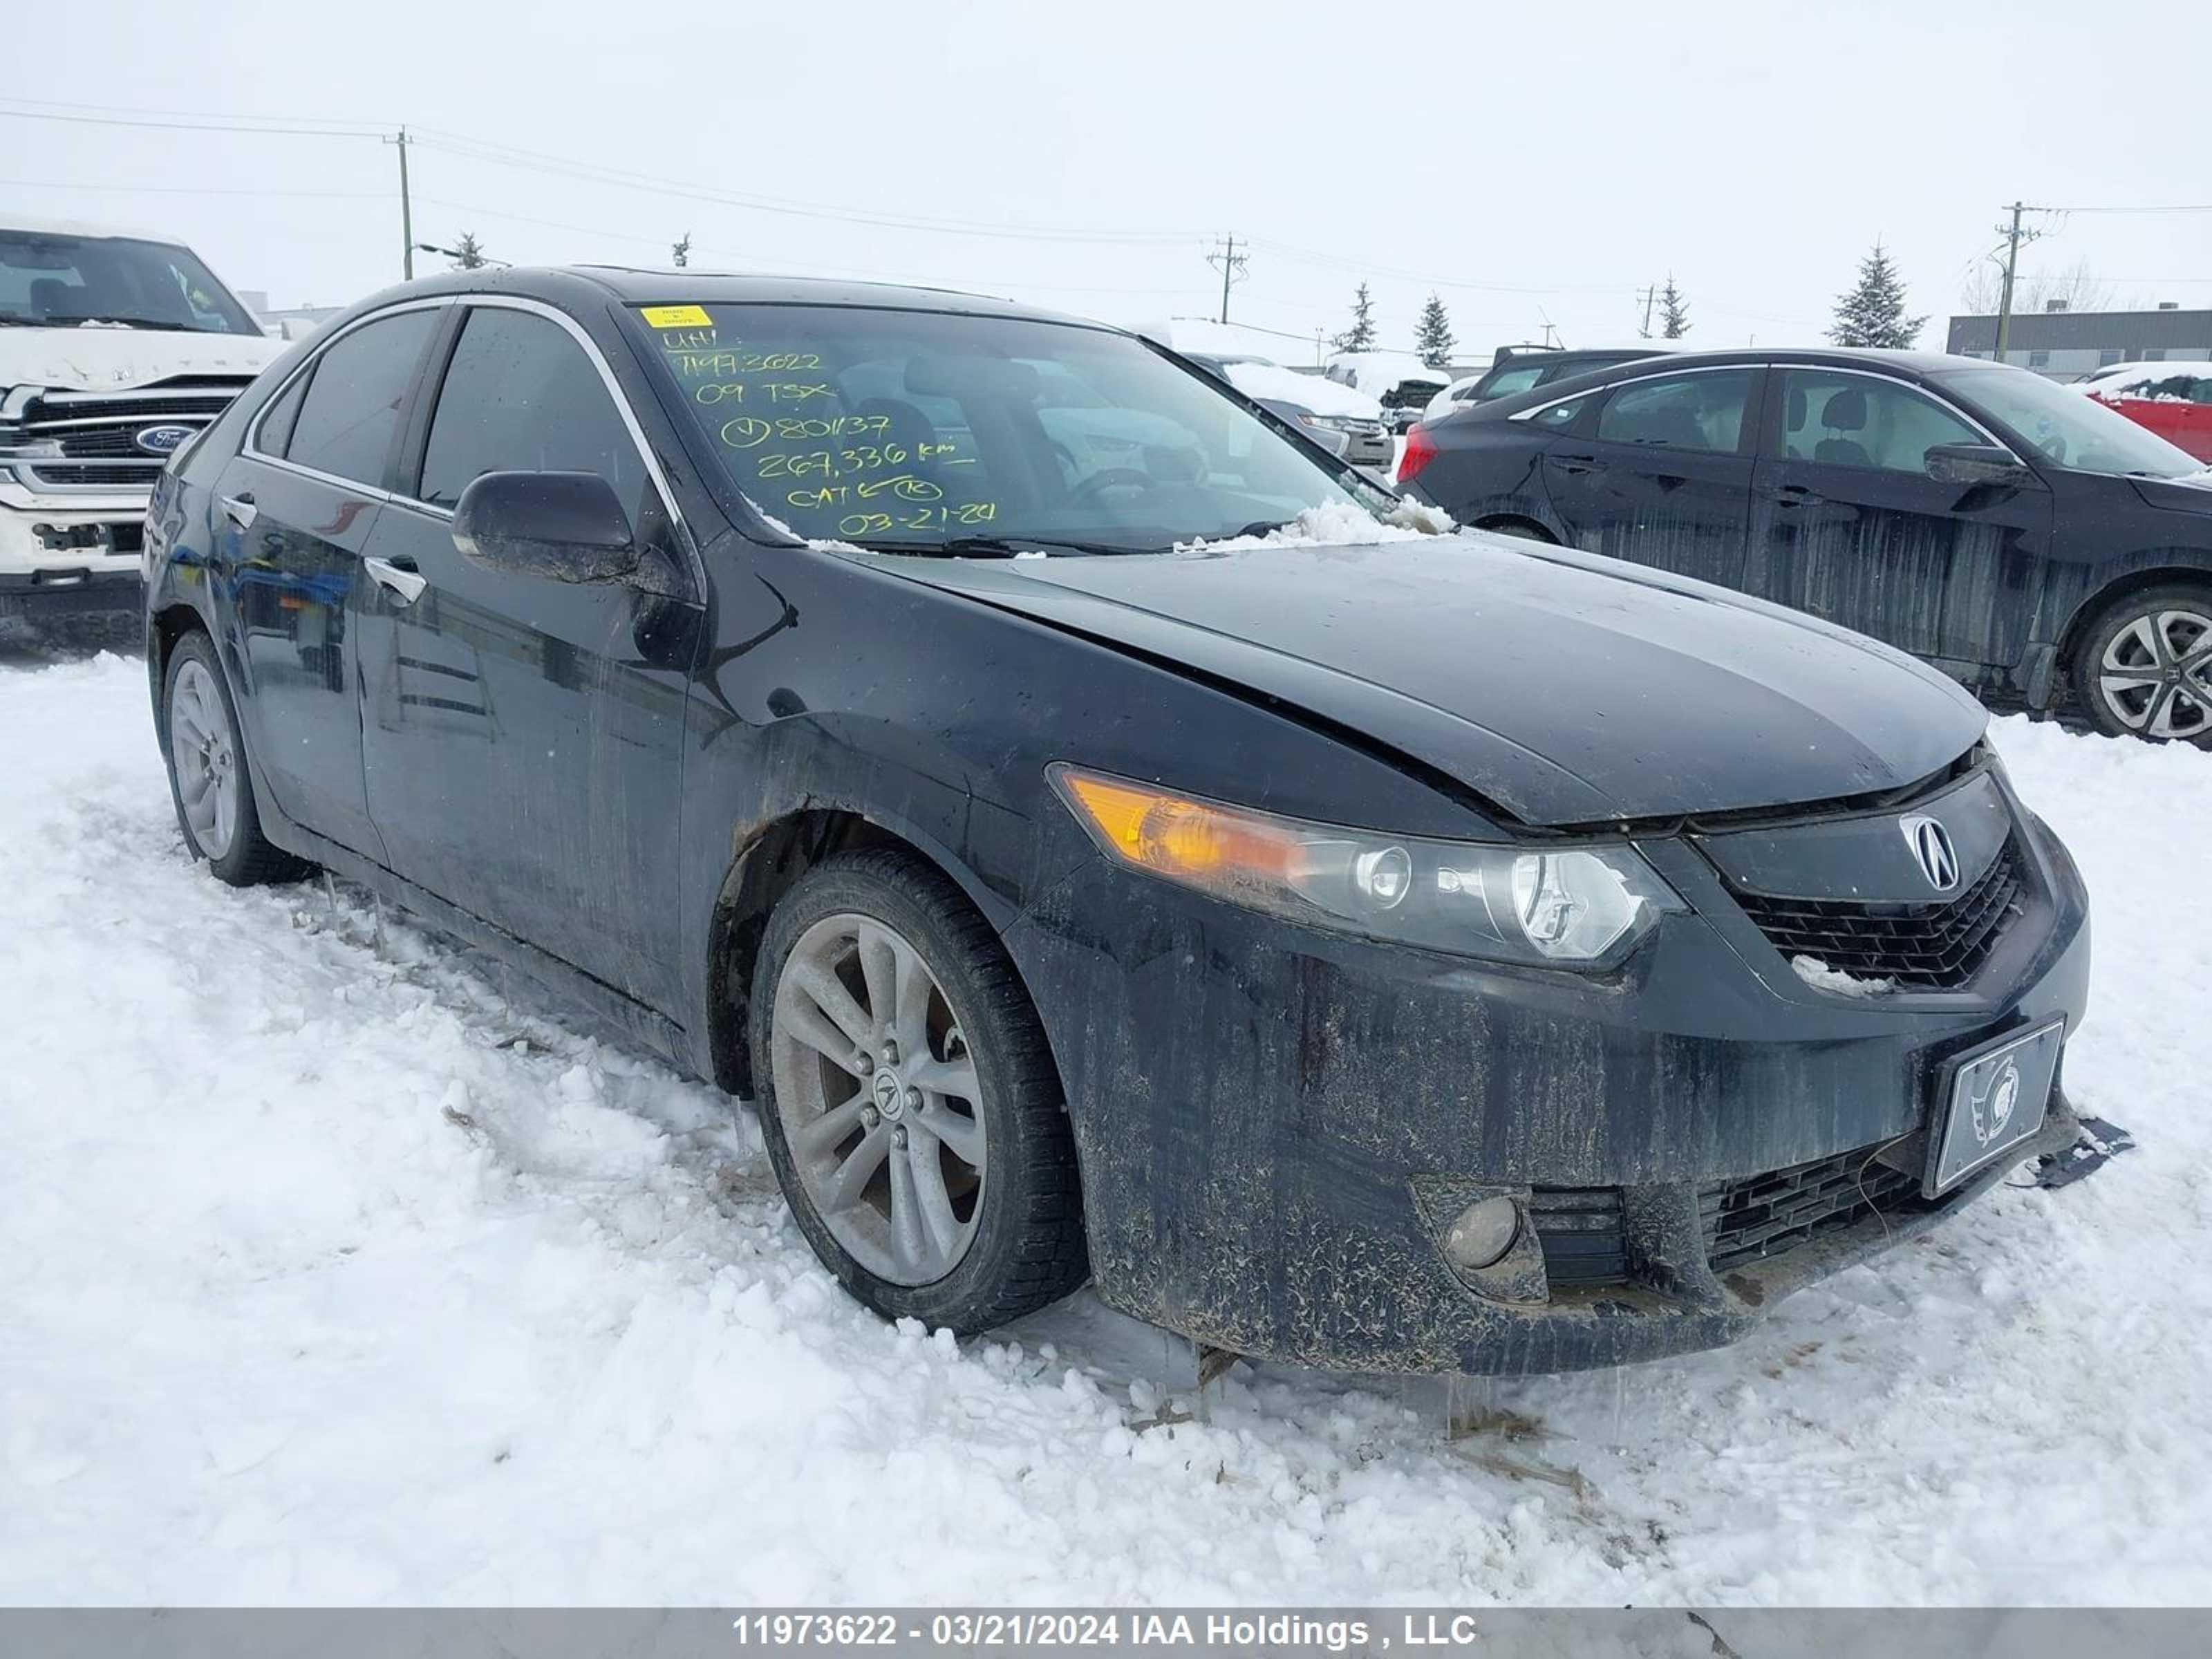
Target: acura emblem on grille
column 1931, row 847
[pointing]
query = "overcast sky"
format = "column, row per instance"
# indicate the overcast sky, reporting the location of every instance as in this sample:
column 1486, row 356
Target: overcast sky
column 1529, row 164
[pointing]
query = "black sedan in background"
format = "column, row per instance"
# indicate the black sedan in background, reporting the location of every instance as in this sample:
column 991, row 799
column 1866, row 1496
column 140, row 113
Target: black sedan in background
column 1351, row 946
column 2028, row 541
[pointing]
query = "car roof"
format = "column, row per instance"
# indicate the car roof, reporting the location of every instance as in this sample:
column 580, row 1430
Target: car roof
column 1911, row 364
column 638, row 285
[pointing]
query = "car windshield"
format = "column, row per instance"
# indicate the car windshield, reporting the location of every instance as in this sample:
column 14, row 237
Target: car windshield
column 67, row 281
column 2069, row 430
column 930, row 431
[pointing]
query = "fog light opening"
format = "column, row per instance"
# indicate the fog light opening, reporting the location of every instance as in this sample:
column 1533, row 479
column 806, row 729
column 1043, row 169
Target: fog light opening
column 1482, row 1233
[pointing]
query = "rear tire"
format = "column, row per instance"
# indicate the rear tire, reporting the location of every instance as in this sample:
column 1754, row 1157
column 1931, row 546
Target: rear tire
column 209, row 779
column 909, row 1103
column 2143, row 668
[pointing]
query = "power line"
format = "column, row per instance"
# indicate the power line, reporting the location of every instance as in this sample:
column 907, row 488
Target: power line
column 192, row 126
column 2198, row 207
column 199, row 190
column 532, row 161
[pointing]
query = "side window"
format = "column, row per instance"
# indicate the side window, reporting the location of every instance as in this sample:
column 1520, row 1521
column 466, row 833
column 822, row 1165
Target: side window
column 1560, row 417
column 1852, row 420
column 1509, row 381
column 275, row 432
column 346, row 422
column 1678, row 411
column 520, row 396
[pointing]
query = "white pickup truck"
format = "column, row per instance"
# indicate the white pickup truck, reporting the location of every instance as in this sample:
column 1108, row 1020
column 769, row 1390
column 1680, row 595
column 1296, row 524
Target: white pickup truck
column 115, row 350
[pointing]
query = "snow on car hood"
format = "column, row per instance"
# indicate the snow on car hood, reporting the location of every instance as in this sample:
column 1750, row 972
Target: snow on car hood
column 82, row 359
column 1564, row 687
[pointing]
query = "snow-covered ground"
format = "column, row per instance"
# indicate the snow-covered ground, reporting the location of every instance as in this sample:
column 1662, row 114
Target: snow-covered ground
column 330, row 1272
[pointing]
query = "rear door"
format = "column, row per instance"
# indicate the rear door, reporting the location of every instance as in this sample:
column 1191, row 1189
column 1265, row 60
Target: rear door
column 294, row 510
column 522, row 736
column 1660, row 475
column 1849, row 525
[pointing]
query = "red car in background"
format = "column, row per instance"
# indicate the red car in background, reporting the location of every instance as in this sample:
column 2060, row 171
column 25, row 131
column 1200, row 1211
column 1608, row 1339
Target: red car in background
column 2172, row 399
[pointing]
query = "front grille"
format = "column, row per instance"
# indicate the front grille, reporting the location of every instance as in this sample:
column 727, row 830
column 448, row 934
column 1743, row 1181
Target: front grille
column 1764, row 1215
column 96, row 432
column 1581, row 1232
column 1923, row 947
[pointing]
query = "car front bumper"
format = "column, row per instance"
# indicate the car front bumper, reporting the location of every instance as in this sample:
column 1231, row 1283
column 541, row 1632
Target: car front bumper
column 1276, row 1128
column 74, row 553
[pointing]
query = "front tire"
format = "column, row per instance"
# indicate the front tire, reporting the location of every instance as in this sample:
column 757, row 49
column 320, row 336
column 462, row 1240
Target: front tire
column 2144, row 667
column 909, row 1103
column 209, row 780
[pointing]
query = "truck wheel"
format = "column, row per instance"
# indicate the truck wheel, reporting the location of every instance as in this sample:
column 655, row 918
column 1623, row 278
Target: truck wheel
column 208, row 775
column 909, row 1103
column 2144, row 668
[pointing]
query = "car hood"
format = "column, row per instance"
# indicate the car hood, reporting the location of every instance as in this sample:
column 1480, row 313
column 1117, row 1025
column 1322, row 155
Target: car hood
column 1562, row 687
column 104, row 359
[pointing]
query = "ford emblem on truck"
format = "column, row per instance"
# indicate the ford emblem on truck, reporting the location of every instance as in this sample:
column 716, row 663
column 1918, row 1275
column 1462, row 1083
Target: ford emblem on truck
column 162, row 439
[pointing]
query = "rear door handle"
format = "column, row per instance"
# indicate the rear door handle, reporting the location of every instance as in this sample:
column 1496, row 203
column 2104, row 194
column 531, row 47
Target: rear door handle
column 239, row 508
column 1792, row 495
column 1577, row 464
column 403, row 584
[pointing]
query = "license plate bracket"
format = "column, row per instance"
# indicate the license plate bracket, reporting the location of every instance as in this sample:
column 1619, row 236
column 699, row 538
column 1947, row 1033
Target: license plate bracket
column 1990, row 1099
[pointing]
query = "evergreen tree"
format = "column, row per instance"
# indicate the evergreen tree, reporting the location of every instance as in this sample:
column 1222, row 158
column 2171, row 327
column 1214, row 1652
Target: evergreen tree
column 1433, row 338
column 683, row 250
column 468, row 254
column 1872, row 312
column 1360, row 336
column 1674, row 310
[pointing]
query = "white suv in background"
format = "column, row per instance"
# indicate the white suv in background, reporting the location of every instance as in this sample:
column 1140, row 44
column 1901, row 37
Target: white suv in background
column 115, row 350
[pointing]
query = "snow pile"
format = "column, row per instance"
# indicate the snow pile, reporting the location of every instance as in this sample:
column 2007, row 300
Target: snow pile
column 1315, row 391
column 332, row 1271
column 1821, row 977
column 1338, row 524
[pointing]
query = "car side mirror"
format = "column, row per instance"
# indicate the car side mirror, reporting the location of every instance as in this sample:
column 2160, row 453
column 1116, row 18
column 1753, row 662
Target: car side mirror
column 1974, row 463
column 557, row 526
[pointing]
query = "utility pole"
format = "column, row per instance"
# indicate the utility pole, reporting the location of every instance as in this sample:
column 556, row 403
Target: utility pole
column 406, row 208
column 2014, row 236
column 1648, row 294
column 1232, row 269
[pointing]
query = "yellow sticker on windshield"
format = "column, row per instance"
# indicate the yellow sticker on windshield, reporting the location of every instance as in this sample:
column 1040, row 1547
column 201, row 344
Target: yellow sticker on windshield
column 676, row 316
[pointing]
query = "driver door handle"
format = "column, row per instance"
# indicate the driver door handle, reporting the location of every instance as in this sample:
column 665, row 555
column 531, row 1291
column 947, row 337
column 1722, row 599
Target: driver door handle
column 239, row 508
column 403, row 584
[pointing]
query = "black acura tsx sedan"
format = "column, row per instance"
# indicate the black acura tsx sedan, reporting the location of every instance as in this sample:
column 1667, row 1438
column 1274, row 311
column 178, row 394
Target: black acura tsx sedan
column 1101, row 836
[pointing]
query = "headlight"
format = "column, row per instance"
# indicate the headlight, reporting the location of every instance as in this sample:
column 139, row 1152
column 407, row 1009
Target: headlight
column 1581, row 906
column 1333, row 423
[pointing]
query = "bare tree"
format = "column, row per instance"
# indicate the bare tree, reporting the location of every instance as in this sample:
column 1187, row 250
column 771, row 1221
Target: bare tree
column 2076, row 285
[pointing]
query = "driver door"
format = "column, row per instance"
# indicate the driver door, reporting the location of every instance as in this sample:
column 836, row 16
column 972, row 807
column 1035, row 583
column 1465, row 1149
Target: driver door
column 521, row 738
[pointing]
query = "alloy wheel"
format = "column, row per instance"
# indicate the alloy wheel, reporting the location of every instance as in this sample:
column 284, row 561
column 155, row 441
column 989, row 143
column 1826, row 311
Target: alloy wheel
column 2155, row 676
column 878, row 1099
column 204, row 753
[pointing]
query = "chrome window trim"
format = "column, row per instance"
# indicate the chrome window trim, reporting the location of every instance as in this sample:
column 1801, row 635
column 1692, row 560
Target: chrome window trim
column 497, row 302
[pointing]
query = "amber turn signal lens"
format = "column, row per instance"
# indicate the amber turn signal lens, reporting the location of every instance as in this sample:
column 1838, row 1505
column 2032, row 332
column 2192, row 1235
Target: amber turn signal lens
column 1176, row 836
